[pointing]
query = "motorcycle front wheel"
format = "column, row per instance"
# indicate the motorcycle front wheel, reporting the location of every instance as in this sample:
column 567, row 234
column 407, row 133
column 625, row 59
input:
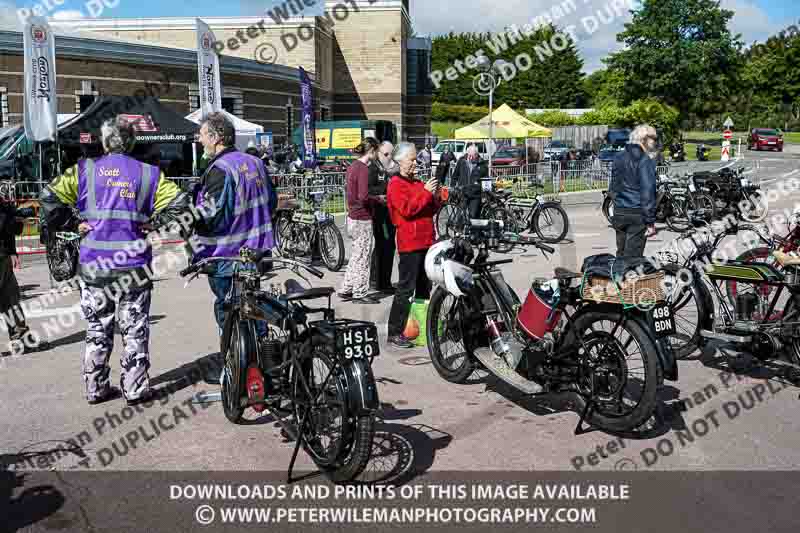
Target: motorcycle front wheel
column 331, row 246
column 608, row 209
column 623, row 380
column 448, row 346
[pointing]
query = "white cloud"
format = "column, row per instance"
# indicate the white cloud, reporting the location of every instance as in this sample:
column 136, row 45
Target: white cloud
column 8, row 17
column 67, row 14
column 433, row 18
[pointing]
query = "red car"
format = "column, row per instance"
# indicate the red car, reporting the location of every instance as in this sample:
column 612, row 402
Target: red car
column 509, row 156
column 765, row 138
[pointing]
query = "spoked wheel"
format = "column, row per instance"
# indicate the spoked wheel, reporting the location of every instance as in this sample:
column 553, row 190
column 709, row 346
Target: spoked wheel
column 608, row 209
column 449, row 220
column 754, row 207
column 678, row 219
column 704, row 203
column 689, row 313
column 622, row 373
column 283, row 231
column 232, row 379
column 338, row 441
column 331, row 247
column 551, row 223
column 447, row 345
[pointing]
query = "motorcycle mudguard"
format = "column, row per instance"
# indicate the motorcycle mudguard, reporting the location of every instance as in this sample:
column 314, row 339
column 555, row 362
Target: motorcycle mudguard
column 666, row 359
column 362, row 392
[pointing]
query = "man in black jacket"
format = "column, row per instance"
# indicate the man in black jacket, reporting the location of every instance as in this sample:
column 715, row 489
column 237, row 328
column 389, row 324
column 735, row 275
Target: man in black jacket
column 469, row 171
column 10, row 227
column 633, row 188
column 443, row 168
column 380, row 172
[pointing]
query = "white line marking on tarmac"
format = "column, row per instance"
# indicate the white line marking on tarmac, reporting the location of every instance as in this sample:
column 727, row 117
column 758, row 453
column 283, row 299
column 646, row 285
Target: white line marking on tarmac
column 787, row 175
column 53, row 311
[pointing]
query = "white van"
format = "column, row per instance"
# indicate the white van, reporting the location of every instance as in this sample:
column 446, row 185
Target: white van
column 459, row 148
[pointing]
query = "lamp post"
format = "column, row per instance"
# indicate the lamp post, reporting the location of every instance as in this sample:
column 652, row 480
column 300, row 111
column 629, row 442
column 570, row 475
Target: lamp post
column 488, row 72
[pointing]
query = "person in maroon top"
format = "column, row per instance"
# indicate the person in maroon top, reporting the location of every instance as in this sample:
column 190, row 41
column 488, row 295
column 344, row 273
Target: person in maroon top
column 359, row 224
column 412, row 205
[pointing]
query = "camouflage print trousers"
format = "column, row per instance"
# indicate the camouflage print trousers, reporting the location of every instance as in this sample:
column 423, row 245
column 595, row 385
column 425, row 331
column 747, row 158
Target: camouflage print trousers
column 99, row 308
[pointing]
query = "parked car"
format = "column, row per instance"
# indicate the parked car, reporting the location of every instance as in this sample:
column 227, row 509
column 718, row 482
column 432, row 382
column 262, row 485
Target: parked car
column 765, row 138
column 509, row 156
column 556, row 149
column 608, row 153
column 459, row 148
column 618, row 137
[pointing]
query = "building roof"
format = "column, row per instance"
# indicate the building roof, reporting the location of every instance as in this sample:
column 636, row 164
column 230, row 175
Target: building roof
column 87, row 46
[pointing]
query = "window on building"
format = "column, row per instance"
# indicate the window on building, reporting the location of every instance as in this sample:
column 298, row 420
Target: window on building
column 84, row 101
column 418, row 68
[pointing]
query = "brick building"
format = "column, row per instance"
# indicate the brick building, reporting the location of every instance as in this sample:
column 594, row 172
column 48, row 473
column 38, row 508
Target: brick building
column 363, row 60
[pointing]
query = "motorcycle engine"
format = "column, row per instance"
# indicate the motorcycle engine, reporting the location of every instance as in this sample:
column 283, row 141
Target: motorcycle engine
column 514, row 355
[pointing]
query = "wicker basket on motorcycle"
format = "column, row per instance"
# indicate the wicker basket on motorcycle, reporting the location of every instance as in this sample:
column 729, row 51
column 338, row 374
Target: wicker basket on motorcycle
column 643, row 290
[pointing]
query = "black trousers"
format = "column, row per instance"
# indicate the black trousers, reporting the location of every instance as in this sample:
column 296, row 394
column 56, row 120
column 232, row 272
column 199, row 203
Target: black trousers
column 383, row 255
column 413, row 283
column 472, row 201
column 9, row 300
column 631, row 231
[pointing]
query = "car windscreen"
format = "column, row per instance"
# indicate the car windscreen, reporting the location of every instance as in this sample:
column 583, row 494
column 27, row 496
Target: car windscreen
column 508, row 153
column 772, row 133
column 441, row 147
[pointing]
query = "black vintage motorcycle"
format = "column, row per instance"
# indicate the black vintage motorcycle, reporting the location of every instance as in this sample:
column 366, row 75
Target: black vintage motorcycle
column 317, row 371
column 608, row 354
column 310, row 232
column 678, row 201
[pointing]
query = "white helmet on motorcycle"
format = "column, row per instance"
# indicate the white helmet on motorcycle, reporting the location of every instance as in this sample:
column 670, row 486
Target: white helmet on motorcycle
column 441, row 270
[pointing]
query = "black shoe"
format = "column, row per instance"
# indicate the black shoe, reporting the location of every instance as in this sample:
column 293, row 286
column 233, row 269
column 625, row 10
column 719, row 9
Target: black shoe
column 368, row 300
column 400, row 341
column 144, row 398
column 111, row 394
column 345, row 295
column 285, row 434
column 387, row 290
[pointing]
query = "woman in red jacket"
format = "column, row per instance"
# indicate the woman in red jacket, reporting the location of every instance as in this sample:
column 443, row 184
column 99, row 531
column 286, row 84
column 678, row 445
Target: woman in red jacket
column 412, row 205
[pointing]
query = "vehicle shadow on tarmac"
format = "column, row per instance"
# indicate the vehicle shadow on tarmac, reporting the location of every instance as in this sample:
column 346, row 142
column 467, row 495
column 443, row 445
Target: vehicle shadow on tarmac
column 666, row 417
column 401, row 452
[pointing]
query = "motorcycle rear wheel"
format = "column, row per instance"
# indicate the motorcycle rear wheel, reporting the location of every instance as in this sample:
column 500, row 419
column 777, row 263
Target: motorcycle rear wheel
column 607, row 413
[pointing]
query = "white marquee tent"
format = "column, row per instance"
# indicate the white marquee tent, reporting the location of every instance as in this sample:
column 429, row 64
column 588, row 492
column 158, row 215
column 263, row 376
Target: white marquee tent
column 245, row 131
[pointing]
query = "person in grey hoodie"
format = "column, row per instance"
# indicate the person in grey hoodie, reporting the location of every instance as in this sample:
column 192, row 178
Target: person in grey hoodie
column 633, row 189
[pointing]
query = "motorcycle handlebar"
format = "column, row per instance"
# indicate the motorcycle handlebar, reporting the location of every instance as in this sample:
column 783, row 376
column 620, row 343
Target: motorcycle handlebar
column 259, row 257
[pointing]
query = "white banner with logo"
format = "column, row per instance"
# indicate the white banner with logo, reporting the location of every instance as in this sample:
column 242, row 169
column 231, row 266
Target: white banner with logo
column 208, row 70
column 40, row 102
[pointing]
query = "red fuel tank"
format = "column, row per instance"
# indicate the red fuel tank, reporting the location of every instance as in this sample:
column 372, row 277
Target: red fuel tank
column 534, row 313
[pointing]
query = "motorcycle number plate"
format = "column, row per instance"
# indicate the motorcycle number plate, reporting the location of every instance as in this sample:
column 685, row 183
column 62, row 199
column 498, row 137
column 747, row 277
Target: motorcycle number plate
column 663, row 320
column 358, row 342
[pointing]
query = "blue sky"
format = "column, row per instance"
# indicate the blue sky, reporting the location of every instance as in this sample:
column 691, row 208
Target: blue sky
column 754, row 19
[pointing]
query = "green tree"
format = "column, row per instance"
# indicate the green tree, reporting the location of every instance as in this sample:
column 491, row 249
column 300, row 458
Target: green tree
column 679, row 51
column 554, row 78
column 604, row 87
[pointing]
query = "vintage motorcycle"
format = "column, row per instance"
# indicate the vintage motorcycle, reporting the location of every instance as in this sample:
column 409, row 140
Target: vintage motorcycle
column 310, row 232
column 608, row 354
column 763, row 317
column 317, row 371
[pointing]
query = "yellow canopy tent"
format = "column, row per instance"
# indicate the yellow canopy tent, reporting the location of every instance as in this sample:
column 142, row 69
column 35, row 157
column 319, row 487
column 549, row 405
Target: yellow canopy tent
column 508, row 124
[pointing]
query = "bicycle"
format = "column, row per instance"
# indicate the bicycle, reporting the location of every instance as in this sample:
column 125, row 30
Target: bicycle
column 310, row 230
column 319, row 372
